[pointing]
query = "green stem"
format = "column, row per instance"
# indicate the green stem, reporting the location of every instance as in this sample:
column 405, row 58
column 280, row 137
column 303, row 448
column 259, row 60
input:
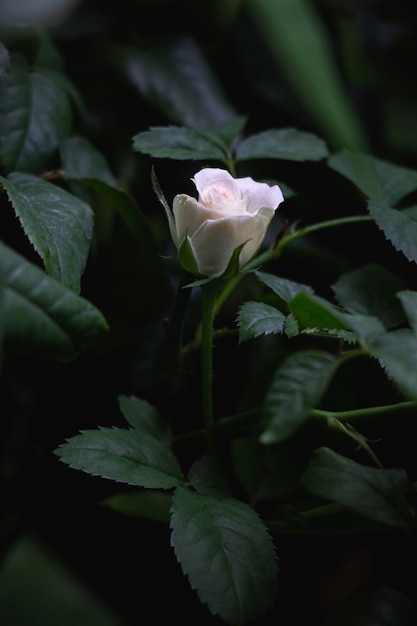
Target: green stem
column 233, row 424
column 174, row 330
column 344, row 416
column 274, row 253
column 208, row 292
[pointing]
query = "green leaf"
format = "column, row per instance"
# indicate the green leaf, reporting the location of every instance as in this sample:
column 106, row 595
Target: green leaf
column 272, row 473
column 400, row 227
column 379, row 180
column 145, row 418
column 81, row 160
column 229, row 130
column 300, row 46
column 313, row 312
column 125, row 456
column 291, row 327
column 26, row 13
column 225, row 550
column 52, row 593
column 173, row 142
column 35, row 114
column 397, row 351
column 148, row 504
column 287, row 143
column 175, row 78
column 371, row 290
column 377, row 494
column 58, row 224
column 328, row 519
column 4, row 62
column 134, row 218
column 41, row 316
column 297, row 386
column 256, row 318
column 282, row 287
column 408, row 301
column 365, row 326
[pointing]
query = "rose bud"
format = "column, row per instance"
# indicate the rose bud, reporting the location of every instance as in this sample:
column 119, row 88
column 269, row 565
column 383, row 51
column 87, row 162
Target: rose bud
column 222, row 230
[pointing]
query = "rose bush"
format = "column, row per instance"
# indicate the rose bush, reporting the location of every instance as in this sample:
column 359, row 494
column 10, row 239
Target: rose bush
column 228, row 220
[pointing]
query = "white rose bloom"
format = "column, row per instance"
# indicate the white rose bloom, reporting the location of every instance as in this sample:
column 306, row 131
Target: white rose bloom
column 230, row 212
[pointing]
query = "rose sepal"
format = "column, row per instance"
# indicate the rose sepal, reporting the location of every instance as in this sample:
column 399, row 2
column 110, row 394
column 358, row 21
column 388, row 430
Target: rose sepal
column 186, row 255
column 233, row 266
column 170, row 217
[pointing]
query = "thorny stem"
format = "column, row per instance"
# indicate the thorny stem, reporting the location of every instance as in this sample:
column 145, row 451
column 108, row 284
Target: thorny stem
column 208, row 293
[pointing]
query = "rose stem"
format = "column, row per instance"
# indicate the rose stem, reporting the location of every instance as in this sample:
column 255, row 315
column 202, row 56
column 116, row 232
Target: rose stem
column 208, row 293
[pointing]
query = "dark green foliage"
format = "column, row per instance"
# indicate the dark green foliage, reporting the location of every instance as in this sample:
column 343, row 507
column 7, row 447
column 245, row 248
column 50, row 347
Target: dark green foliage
column 107, row 111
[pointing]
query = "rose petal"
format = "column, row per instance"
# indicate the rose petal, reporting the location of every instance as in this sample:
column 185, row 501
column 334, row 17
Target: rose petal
column 189, row 214
column 216, row 241
column 210, row 175
column 264, row 196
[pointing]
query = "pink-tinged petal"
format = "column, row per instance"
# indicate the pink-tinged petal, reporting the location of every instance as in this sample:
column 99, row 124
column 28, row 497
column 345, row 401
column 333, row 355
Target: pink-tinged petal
column 224, row 196
column 210, row 175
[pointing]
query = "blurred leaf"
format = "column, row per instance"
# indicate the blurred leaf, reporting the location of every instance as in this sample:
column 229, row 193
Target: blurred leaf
column 81, row 160
column 366, row 326
column 400, row 227
column 256, row 318
column 41, row 315
column 287, row 143
column 230, row 130
column 24, row 13
column 379, row 180
column 174, row 142
column 297, row 386
column 378, row 494
column 225, row 550
column 282, row 287
column 304, row 51
column 2, row 312
column 325, row 520
column 35, row 114
column 371, row 290
column 374, row 606
column 316, row 313
column 148, row 504
column 206, row 476
column 4, row 62
column 47, row 53
column 270, row 473
column 145, row 418
column 408, row 301
column 138, row 224
column 52, row 595
column 125, row 456
column 58, row 224
column 175, row 78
